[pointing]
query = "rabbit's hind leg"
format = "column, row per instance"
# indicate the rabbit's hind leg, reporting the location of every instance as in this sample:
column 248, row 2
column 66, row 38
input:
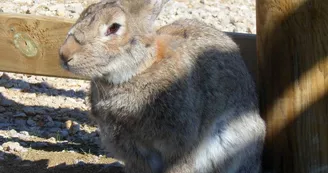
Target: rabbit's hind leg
column 137, row 164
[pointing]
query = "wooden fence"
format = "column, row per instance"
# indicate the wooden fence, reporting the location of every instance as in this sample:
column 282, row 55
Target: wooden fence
column 287, row 58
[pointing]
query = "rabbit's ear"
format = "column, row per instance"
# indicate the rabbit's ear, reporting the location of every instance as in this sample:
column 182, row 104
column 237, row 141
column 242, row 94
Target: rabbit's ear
column 145, row 11
column 156, row 7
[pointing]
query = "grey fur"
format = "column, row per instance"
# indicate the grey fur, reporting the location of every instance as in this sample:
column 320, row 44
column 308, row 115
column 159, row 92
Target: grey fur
column 194, row 110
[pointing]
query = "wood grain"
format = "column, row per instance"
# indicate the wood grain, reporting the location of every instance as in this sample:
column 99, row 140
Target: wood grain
column 48, row 33
column 292, row 48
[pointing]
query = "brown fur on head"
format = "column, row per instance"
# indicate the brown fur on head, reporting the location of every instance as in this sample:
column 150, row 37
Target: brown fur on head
column 111, row 39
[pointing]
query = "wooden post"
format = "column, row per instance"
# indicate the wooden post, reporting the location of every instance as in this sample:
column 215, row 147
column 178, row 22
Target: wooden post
column 292, row 49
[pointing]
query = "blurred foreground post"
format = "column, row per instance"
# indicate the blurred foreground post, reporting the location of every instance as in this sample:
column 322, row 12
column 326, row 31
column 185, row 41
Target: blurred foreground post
column 292, row 49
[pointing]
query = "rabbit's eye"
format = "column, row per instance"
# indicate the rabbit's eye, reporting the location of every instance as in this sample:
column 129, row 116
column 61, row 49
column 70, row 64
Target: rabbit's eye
column 113, row 29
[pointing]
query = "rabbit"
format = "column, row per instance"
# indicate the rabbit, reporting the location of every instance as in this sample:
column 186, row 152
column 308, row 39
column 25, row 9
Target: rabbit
column 178, row 99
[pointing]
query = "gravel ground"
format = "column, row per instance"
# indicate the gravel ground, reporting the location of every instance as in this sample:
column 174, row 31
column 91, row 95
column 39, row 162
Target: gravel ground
column 42, row 115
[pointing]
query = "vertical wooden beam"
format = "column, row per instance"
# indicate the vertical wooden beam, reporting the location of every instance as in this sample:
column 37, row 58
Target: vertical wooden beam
column 292, row 48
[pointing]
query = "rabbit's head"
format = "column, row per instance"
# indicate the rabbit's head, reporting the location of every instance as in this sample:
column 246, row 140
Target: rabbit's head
column 111, row 39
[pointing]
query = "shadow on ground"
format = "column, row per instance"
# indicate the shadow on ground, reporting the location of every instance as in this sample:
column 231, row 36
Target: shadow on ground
column 77, row 142
column 13, row 164
column 41, row 88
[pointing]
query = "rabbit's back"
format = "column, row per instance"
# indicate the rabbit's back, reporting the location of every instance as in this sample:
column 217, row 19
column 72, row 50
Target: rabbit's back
column 231, row 131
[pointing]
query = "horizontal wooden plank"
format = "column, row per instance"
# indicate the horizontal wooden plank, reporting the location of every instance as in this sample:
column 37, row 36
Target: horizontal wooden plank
column 30, row 45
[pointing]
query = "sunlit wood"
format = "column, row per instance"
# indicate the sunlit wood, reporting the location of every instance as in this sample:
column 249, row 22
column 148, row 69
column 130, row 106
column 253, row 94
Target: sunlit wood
column 292, row 47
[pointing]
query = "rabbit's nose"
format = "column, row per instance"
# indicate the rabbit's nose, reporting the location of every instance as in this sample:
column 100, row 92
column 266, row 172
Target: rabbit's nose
column 69, row 48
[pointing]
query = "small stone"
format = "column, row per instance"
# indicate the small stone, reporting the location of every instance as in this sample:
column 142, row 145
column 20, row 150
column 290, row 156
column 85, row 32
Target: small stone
column 20, row 122
column 20, row 114
column 64, row 142
column 9, row 85
column 54, row 130
column 2, row 109
column 52, row 110
column 97, row 141
column 19, row 159
column 71, row 151
column 61, row 10
column 93, row 134
column 79, row 162
column 4, row 76
column 23, row 1
column 45, row 134
column 29, row 110
column 49, row 121
column 68, row 124
column 13, row 146
column 48, row 118
column 64, row 133
column 24, row 8
column 95, row 159
column 50, row 124
column 37, row 117
column 24, row 133
column 58, row 124
column 12, row 132
column 115, row 164
column 31, row 122
column 24, row 144
column 44, row 85
column 4, row 118
column 2, row 155
column 39, row 144
column 6, row 102
column 8, row 114
column 78, row 8
column 5, row 125
column 34, row 130
column 39, row 110
column 52, row 140
column 24, row 85
column 98, row 131
column 75, row 128
column 77, row 114
column 23, row 137
column 56, row 135
column 32, row 95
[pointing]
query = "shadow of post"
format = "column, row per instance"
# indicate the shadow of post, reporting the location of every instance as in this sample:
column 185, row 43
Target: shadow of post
column 41, row 88
column 14, row 164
